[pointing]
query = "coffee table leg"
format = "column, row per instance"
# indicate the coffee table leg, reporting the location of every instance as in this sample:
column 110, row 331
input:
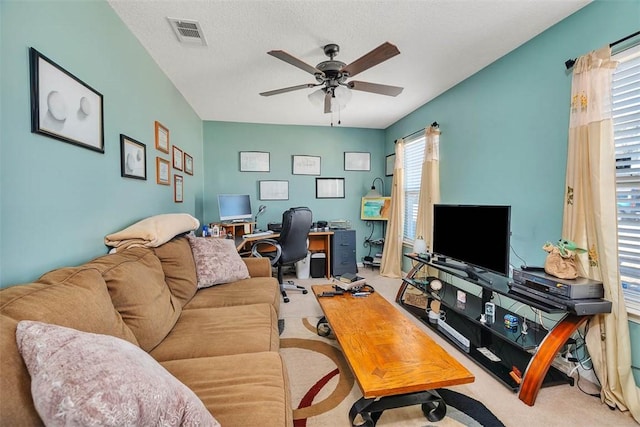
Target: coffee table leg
column 433, row 406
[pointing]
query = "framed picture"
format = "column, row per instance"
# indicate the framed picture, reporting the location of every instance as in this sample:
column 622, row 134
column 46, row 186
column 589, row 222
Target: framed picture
column 273, row 190
column 357, row 161
column 305, row 165
column 63, row 107
column 162, row 138
column 390, row 165
column 133, row 158
column 177, row 188
column 188, row 164
column 254, row 161
column 329, row 188
column 177, row 158
column 162, row 171
column 377, row 208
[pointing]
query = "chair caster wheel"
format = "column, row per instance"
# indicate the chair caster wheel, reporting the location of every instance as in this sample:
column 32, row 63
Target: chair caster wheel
column 286, row 299
column 305, row 291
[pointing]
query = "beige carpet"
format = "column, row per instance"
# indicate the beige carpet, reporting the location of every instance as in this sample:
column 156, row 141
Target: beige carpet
column 561, row 405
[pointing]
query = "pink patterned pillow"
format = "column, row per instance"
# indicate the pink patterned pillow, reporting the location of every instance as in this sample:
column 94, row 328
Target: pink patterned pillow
column 79, row 378
column 217, row 261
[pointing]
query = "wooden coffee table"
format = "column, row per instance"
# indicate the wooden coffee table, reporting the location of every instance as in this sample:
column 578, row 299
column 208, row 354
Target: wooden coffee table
column 395, row 363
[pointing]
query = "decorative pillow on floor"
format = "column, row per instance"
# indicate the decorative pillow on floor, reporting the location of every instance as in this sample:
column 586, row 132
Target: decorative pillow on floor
column 79, row 378
column 217, row 261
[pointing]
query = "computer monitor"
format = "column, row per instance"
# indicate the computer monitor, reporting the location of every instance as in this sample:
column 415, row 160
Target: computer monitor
column 234, row 207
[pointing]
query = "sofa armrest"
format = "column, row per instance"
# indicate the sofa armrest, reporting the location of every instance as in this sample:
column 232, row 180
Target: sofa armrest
column 258, row 267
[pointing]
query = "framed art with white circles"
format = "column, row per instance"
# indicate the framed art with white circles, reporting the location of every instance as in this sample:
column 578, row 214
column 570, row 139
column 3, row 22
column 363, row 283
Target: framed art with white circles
column 64, row 107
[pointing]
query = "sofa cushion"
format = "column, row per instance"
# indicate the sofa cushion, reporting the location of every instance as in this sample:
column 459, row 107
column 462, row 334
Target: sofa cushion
column 243, row 292
column 79, row 378
column 221, row 331
column 217, row 261
column 135, row 281
column 241, row 390
column 179, row 268
column 73, row 297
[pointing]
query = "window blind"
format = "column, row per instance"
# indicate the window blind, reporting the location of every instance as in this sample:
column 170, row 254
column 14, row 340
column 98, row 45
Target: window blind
column 413, row 158
column 626, row 131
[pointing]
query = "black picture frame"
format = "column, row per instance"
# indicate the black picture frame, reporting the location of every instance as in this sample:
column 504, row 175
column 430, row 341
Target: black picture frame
column 63, row 107
column 133, row 158
column 330, row 188
column 390, row 163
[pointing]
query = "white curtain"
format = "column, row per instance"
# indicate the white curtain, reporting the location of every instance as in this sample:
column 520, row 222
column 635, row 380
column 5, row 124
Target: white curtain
column 429, row 185
column 590, row 220
column 391, row 263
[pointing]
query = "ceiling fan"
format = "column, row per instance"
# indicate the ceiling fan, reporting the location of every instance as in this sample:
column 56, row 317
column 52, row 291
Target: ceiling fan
column 332, row 75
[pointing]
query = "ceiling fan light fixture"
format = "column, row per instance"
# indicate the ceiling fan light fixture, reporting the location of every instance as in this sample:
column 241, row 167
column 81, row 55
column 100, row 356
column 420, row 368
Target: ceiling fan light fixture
column 317, row 97
column 342, row 95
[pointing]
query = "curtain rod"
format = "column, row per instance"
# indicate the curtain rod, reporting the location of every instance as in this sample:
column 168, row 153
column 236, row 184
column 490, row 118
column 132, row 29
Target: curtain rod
column 434, row 124
column 570, row 62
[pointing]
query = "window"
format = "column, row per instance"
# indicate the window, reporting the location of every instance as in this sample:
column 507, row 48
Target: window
column 626, row 133
column 413, row 158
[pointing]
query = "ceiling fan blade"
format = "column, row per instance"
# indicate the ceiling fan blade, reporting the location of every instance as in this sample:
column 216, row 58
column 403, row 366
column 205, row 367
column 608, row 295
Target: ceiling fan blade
column 383, row 52
column 375, row 88
column 284, row 56
column 327, row 102
column 288, row 89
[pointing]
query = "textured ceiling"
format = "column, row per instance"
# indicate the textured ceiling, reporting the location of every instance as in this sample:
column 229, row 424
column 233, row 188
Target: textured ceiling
column 441, row 43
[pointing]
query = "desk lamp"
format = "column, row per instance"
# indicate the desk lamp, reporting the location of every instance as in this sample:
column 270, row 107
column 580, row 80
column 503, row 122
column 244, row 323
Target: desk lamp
column 373, row 193
column 261, row 210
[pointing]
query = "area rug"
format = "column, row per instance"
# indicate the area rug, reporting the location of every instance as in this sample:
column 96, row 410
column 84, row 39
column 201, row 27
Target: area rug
column 323, row 387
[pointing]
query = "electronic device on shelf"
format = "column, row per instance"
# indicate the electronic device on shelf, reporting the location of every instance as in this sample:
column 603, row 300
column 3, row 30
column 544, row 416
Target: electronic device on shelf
column 578, row 288
column 477, row 236
column 234, row 207
column 490, row 312
column 274, row 226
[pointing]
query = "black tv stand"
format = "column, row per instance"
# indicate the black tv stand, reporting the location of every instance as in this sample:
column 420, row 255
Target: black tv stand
column 472, row 273
column 519, row 359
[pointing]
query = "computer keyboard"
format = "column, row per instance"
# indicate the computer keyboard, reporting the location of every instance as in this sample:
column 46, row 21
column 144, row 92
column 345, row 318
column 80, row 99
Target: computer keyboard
column 258, row 234
column 457, row 336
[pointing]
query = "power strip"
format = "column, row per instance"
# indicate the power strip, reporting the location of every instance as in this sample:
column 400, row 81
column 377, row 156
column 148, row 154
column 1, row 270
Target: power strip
column 457, row 336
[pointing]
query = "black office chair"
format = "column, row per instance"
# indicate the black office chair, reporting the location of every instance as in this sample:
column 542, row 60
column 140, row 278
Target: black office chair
column 291, row 246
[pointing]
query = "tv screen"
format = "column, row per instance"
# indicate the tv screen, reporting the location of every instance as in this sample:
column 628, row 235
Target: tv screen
column 234, row 207
column 477, row 235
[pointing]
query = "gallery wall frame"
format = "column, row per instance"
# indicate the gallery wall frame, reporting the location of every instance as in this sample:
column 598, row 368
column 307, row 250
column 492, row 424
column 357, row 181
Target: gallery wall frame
column 254, row 161
column 330, row 188
column 305, row 165
column 163, row 171
column 63, row 106
column 178, row 188
column 133, row 158
column 375, row 208
column 177, row 158
column 390, row 164
column 188, row 164
column 357, row 161
column 273, row 190
column 162, row 137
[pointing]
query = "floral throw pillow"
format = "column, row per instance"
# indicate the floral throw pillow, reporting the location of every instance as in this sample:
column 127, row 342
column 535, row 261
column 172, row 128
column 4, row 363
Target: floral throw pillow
column 217, row 261
column 80, row 378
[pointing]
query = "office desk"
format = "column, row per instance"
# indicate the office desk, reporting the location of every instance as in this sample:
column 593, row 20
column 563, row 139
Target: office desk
column 319, row 241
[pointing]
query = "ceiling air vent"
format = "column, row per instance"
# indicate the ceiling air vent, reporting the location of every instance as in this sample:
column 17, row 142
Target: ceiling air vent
column 188, row 31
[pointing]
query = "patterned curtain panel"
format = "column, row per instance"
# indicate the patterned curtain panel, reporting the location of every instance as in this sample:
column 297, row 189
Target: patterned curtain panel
column 590, row 220
column 391, row 263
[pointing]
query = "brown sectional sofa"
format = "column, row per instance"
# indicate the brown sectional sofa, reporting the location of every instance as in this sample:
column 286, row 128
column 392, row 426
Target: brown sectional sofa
column 222, row 342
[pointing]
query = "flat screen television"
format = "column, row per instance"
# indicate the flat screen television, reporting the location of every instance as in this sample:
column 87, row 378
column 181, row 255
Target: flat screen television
column 476, row 235
column 234, row 207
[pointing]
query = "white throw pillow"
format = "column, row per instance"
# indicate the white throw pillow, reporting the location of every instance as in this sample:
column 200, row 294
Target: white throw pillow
column 217, row 261
column 80, row 378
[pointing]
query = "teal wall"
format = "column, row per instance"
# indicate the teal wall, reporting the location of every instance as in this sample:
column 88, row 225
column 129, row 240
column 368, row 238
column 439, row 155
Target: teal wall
column 505, row 129
column 58, row 200
column 224, row 140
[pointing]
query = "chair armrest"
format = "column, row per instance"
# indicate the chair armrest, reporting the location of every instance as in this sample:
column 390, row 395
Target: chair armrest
column 258, row 267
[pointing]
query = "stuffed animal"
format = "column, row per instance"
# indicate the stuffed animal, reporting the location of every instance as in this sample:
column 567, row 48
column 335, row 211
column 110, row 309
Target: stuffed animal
column 561, row 260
